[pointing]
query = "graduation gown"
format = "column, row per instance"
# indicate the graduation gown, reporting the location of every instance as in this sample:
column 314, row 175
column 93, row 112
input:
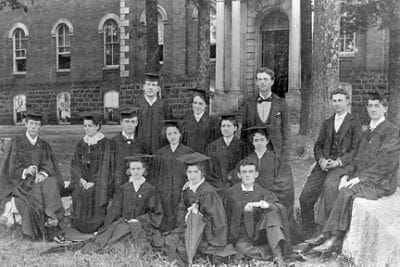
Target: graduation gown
column 150, row 122
column 215, row 230
column 223, row 160
column 35, row 201
column 121, row 147
column 143, row 205
column 92, row 163
column 198, row 134
column 259, row 232
column 169, row 177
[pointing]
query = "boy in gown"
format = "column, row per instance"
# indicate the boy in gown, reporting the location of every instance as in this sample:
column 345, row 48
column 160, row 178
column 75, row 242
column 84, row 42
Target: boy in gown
column 125, row 144
column 371, row 175
column 199, row 128
column 152, row 111
column 258, row 224
column 90, row 176
column 198, row 197
column 168, row 173
column 225, row 153
column 30, row 183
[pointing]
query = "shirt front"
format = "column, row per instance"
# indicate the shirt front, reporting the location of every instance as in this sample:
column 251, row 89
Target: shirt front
column 151, row 102
column 198, row 116
column 228, row 140
column 264, row 108
column 373, row 125
column 30, row 139
column 247, row 189
column 339, row 121
column 129, row 137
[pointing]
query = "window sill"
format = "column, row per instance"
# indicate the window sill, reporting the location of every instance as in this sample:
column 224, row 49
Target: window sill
column 63, row 71
column 346, row 54
column 111, row 68
column 22, row 73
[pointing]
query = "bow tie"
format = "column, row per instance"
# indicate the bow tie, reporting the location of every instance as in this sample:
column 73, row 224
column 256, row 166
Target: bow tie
column 260, row 99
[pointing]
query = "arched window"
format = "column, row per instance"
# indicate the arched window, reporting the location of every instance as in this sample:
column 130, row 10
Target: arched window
column 111, row 43
column 111, row 105
column 19, row 51
column 19, row 108
column 63, row 47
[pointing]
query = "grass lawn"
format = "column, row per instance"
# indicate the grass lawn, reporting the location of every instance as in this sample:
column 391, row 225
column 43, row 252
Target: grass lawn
column 16, row 251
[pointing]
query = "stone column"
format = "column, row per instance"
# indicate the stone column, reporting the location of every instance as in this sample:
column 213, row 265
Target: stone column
column 219, row 68
column 236, row 51
column 295, row 46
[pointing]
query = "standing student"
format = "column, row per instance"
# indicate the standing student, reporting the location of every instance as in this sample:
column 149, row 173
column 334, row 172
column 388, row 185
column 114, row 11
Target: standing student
column 169, row 174
column 267, row 109
column 199, row 128
column 152, row 111
column 90, row 176
column 225, row 153
column 30, row 184
column 125, row 144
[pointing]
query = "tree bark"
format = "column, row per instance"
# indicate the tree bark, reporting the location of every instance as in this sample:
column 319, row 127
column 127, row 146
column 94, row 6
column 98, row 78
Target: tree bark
column 325, row 61
column 306, row 63
column 203, row 45
column 152, row 59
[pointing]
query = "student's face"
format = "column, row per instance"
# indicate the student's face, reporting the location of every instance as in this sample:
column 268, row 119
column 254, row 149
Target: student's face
column 260, row 142
column 151, row 88
column 129, row 125
column 136, row 169
column 198, row 105
column 340, row 103
column 173, row 135
column 264, row 82
column 33, row 127
column 90, row 128
column 227, row 128
column 375, row 109
column 248, row 174
column 194, row 174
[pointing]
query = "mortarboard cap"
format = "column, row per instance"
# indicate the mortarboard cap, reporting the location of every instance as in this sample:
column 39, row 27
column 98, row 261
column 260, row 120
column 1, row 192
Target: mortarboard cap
column 128, row 113
column 228, row 115
column 200, row 92
column 192, row 158
column 32, row 115
column 91, row 115
column 139, row 157
column 171, row 123
column 151, row 76
column 267, row 129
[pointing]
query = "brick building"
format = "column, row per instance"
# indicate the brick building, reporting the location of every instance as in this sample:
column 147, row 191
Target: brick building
column 64, row 56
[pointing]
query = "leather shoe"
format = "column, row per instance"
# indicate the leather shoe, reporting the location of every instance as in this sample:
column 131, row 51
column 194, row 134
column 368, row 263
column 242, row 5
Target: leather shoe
column 327, row 245
column 316, row 241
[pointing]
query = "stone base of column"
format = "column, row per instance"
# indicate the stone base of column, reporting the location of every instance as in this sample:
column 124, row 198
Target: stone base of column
column 293, row 100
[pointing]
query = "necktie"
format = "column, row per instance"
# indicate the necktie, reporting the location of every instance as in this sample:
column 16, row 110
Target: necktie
column 260, row 99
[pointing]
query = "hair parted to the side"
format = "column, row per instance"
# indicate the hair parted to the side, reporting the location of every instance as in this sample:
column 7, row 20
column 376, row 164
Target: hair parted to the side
column 268, row 71
column 248, row 162
column 138, row 159
column 340, row 91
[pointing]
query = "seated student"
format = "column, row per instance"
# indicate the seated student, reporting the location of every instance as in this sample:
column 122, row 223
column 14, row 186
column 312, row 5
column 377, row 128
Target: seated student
column 30, row 184
column 125, row 144
column 168, row 173
column 257, row 222
column 90, row 176
column 274, row 174
column 135, row 213
column 225, row 153
column 371, row 175
column 198, row 197
column 199, row 128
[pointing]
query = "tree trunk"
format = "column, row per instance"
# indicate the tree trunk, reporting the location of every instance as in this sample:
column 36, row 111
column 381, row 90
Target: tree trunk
column 325, row 61
column 203, row 45
column 394, row 67
column 152, row 59
column 306, row 63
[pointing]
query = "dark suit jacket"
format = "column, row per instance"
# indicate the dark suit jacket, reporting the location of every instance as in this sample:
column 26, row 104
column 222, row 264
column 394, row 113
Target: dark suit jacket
column 278, row 117
column 349, row 137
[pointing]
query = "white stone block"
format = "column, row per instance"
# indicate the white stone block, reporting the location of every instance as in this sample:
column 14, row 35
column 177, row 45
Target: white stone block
column 124, row 73
column 124, row 10
column 124, row 48
column 124, row 23
column 124, row 61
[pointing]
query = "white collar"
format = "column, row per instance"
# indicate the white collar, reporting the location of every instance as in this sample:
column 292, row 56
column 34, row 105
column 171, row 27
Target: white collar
column 30, row 139
column 151, row 102
column 198, row 116
column 137, row 184
column 173, row 147
column 92, row 140
column 338, row 117
column 373, row 125
column 270, row 93
column 228, row 140
column 193, row 187
column 127, row 136
column 244, row 189
column 260, row 154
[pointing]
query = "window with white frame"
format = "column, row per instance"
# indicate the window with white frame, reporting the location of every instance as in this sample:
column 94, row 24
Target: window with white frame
column 111, row 43
column 19, row 51
column 347, row 43
column 111, row 105
column 63, row 40
column 213, row 32
column 160, row 38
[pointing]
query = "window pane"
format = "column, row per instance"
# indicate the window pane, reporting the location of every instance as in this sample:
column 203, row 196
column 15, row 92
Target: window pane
column 64, row 61
column 20, row 65
column 160, row 53
column 116, row 55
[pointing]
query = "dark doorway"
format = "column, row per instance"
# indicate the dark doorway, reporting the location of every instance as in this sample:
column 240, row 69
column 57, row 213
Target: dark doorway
column 275, row 48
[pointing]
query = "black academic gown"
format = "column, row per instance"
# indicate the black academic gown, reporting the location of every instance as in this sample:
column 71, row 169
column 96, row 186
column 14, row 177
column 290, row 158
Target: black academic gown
column 198, row 134
column 143, row 205
column 35, row 201
column 260, row 232
column 215, row 231
column 169, row 176
column 92, row 163
column 151, row 122
column 121, row 147
column 223, row 160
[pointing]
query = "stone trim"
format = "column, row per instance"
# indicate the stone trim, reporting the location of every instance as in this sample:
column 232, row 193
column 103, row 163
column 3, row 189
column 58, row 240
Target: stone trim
column 62, row 21
column 18, row 25
column 107, row 17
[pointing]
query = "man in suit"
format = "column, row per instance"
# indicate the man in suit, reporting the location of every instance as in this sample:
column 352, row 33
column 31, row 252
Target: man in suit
column 335, row 147
column 371, row 175
column 267, row 109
